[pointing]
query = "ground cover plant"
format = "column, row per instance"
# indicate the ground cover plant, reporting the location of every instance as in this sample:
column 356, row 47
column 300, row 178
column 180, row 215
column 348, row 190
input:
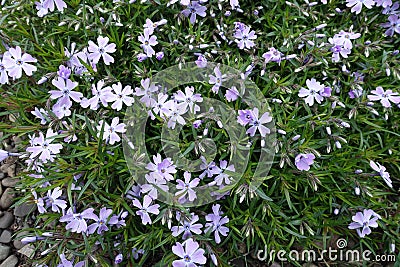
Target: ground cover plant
column 132, row 113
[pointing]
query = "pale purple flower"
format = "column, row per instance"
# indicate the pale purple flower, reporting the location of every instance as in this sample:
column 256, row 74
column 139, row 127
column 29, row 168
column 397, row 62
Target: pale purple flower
column 245, row 117
column 210, row 169
column 145, row 209
column 313, row 92
column 14, row 62
column 65, row 92
column 40, row 114
column 64, row 72
column 390, row 10
column 189, row 99
column 149, row 89
column 393, row 25
column 110, row 132
column 232, row 94
column 54, row 201
column 102, row 49
column 136, row 252
column 190, row 254
column 175, row 113
column 60, row 4
column 193, row 9
column 160, row 106
column 362, row 222
column 39, row 203
column 272, row 55
column 201, row 61
column 141, row 57
column 216, row 80
column 153, row 25
column 77, row 221
column 383, row 3
column 223, row 177
column 118, row 220
column 154, row 182
column 100, row 222
column 186, row 187
column 356, row 93
column 382, row 172
column 148, row 41
column 122, row 96
column 41, row 8
column 245, row 37
column 358, row 4
column 118, row 259
column 344, row 38
column 215, row 223
column 71, row 137
column 3, row 73
column 67, row 263
column 159, row 55
column 43, row 147
column 327, row 92
column 61, row 111
column 257, row 123
column 385, row 97
column 100, row 94
column 163, row 167
column 304, row 161
column 187, row 226
column 197, row 123
column 134, row 192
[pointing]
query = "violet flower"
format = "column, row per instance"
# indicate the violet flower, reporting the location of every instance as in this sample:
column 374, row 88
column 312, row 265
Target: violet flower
column 64, row 72
column 122, row 96
column 154, row 182
column 67, row 263
column 190, row 254
column 145, row 209
column 362, row 222
column 187, row 226
column 201, row 61
column 385, row 97
column 14, row 62
column 216, row 80
column 257, row 123
column 163, row 167
column 110, row 132
column 393, row 25
column 60, row 4
column 232, row 94
column 313, row 92
column 245, row 37
column 65, row 92
column 54, row 201
column 358, row 4
column 186, row 187
column 304, row 161
column 382, row 172
column 216, row 223
column 102, row 49
column 148, row 41
column 147, row 92
column 193, row 9
column 100, row 94
column 77, row 221
column 101, row 222
column 43, row 147
column 189, row 99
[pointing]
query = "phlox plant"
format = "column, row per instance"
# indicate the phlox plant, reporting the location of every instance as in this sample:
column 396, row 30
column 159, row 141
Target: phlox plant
column 70, row 71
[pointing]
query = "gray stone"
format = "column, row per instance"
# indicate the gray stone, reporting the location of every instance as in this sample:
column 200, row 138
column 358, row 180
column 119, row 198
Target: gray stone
column 6, row 220
column 2, row 175
column 28, row 251
column 4, row 252
column 4, row 167
column 11, row 261
column 5, row 236
column 9, row 181
column 11, row 170
column 24, row 209
column 7, row 199
column 17, row 240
